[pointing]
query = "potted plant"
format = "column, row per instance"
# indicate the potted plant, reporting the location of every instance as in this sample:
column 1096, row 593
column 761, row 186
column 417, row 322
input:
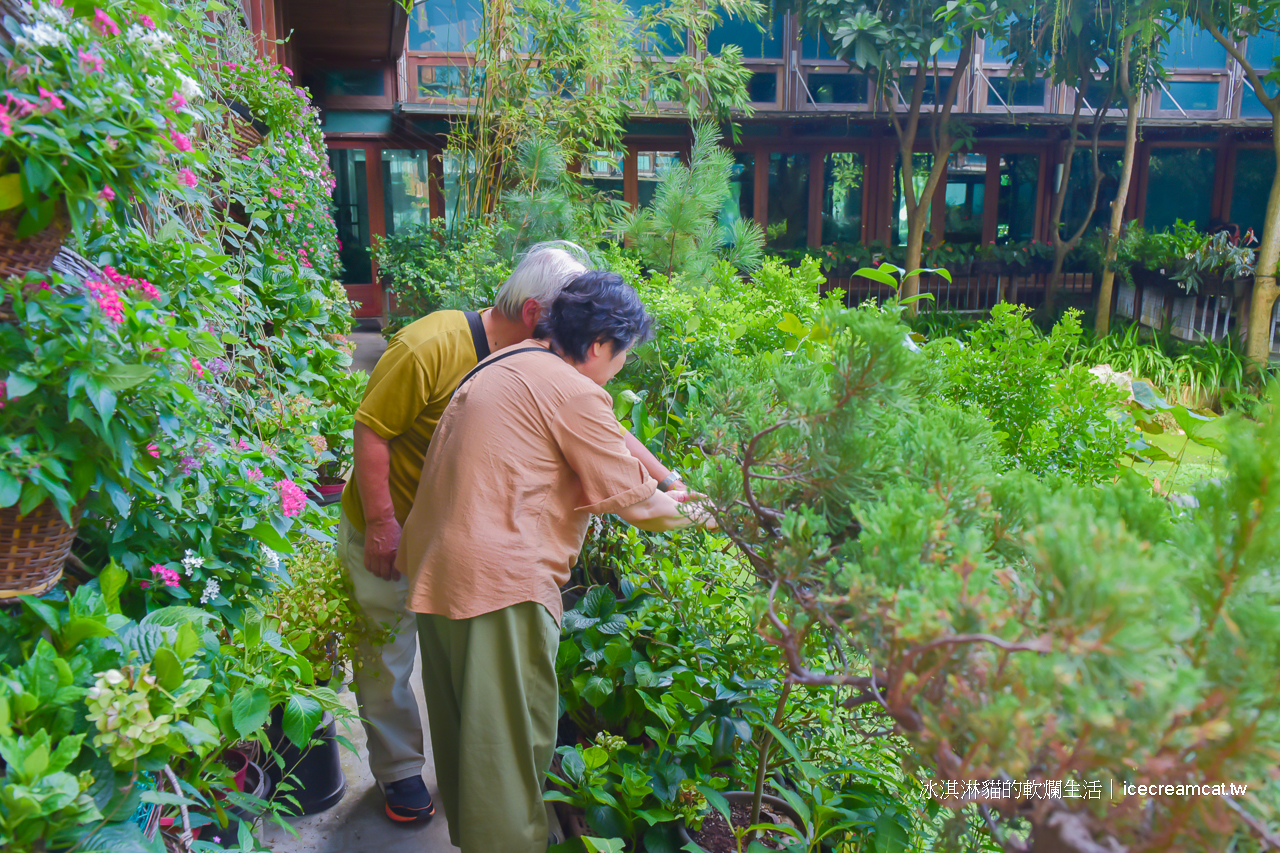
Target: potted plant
column 95, row 111
column 90, row 369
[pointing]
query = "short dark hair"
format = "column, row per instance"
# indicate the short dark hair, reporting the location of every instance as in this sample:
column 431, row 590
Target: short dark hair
column 597, row 306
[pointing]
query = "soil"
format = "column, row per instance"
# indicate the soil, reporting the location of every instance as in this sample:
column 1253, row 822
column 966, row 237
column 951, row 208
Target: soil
column 715, row 836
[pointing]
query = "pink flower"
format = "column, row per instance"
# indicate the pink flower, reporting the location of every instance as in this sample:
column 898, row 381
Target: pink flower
column 145, row 584
column 287, row 70
column 107, row 194
column 197, row 367
column 6, row 123
column 242, row 445
column 90, row 62
column 292, row 500
column 108, row 300
column 146, row 21
column 52, row 101
column 176, row 100
column 254, row 475
column 4, row 390
column 187, row 177
column 169, row 576
column 103, row 24
column 181, row 141
column 154, row 451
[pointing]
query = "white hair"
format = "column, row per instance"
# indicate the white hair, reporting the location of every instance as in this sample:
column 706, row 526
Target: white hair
column 542, row 272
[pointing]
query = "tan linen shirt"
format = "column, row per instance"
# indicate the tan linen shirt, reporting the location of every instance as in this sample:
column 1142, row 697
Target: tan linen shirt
column 527, row 450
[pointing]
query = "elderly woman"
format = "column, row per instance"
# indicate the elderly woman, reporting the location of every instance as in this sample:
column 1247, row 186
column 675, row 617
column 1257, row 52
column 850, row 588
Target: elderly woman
column 528, row 449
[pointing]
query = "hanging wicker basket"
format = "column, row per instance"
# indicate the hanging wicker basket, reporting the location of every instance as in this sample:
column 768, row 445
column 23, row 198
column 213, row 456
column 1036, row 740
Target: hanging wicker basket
column 33, row 548
column 244, row 131
column 19, row 256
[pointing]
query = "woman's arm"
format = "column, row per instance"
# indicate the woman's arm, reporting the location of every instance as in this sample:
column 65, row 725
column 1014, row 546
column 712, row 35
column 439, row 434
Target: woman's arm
column 660, row 512
column 656, row 469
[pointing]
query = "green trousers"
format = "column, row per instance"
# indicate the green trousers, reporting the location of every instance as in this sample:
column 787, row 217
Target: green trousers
column 490, row 685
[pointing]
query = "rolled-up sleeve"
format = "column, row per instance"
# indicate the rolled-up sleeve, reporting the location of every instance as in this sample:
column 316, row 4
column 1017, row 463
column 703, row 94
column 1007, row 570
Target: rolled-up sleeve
column 588, row 435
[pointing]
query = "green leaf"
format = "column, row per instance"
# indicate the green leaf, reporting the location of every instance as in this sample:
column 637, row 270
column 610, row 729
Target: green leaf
column 717, row 802
column 597, row 690
column 119, row 377
column 1146, row 397
column 604, row 845
column 267, row 535
column 187, row 643
column 10, row 489
column 19, row 385
column 80, row 629
column 110, row 581
column 792, row 326
column 249, row 709
column 177, row 615
column 879, row 276
column 598, row 602
column 890, row 836
column 10, row 191
column 301, row 716
column 168, row 669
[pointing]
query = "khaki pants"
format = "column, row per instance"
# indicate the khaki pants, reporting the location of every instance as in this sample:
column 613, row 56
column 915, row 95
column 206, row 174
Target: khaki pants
column 382, row 675
column 490, row 684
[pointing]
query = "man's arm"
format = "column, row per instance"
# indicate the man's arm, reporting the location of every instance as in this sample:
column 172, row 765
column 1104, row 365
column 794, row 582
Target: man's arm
column 373, row 477
column 656, row 469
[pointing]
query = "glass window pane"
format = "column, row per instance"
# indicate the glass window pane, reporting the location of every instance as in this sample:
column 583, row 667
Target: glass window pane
column 1262, row 50
column 991, row 48
column 1255, row 169
column 1179, row 186
column 788, row 201
column 1080, row 185
column 1250, row 106
column 454, row 203
column 754, row 43
column 1016, row 204
column 842, row 180
column 360, row 82
column 603, row 172
column 762, row 87
column 741, row 203
column 444, row 81
column 843, row 88
column 405, row 188
column 450, row 25
column 351, row 213
column 815, row 46
column 942, row 84
column 649, row 165
column 920, row 164
column 965, row 191
column 1191, row 95
column 1191, row 47
column 1016, row 92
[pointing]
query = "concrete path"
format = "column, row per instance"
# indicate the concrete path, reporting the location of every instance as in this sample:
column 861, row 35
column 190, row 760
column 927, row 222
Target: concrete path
column 357, row 824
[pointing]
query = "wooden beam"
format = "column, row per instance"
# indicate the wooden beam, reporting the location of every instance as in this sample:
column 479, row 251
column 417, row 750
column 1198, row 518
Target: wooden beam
column 631, row 178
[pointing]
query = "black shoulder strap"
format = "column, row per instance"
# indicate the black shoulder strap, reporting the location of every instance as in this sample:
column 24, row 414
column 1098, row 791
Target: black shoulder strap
column 507, row 354
column 478, row 336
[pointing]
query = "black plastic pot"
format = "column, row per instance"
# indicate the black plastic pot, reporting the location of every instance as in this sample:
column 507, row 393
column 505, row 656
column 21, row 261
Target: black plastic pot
column 316, row 769
column 777, row 804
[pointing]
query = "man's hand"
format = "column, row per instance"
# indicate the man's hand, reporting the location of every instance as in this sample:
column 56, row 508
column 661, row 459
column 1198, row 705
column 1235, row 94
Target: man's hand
column 381, row 541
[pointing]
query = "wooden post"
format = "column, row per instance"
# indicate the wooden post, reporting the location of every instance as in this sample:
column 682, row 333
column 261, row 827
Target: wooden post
column 377, row 214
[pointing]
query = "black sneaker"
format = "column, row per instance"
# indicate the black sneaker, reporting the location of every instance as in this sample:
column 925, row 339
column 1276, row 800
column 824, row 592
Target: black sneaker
column 409, row 801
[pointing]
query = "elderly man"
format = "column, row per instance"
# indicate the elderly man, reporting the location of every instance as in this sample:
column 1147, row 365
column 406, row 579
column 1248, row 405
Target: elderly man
column 407, row 393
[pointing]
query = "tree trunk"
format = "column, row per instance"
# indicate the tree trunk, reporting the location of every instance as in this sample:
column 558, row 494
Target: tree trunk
column 915, row 251
column 1102, row 324
column 1265, row 290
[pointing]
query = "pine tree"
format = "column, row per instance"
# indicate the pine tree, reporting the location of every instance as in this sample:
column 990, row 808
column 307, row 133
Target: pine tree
column 681, row 233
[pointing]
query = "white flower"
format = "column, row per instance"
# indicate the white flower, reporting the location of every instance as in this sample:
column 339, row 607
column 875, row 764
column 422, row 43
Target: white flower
column 270, row 559
column 191, row 562
column 211, row 591
column 156, row 84
column 237, row 291
column 42, row 34
column 52, row 14
column 189, row 88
